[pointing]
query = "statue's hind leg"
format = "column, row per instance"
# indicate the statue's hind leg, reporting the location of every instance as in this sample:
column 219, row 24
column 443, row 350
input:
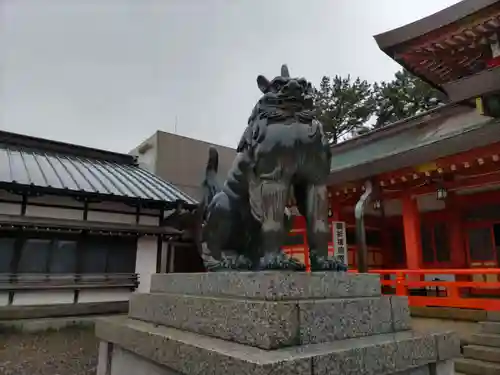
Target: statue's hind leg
column 216, row 235
column 318, row 232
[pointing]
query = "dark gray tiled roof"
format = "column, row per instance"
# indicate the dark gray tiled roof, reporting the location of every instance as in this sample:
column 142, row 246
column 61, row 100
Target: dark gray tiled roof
column 71, row 172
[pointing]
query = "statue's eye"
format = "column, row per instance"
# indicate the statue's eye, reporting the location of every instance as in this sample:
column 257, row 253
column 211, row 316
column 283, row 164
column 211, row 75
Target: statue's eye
column 277, row 85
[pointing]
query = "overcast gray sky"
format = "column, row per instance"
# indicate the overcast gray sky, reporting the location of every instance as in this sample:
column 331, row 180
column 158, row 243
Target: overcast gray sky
column 109, row 73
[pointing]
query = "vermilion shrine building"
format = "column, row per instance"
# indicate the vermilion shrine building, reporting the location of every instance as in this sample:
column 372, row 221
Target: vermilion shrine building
column 435, row 177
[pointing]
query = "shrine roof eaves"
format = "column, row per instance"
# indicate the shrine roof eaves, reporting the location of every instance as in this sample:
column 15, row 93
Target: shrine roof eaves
column 398, row 126
column 444, row 17
column 444, row 131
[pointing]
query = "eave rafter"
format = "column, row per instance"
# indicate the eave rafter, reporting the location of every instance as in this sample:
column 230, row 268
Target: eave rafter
column 454, row 51
column 452, row 172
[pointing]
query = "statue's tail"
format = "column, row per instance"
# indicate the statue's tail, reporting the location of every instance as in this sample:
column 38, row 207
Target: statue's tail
column 210, row 188
column 210, row 183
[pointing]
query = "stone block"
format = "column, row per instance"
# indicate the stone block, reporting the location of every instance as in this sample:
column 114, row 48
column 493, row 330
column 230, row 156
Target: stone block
column 400, row 312
column 482, row 353
column 474, row 366
column 450, row 313
column 338, row 319
column 381, row 354
column 423, row 370
column 189, row 353
column 127, row 363
column 272, row 285
column 104, row 358
column 448, row 345
column 493, row 316
column 442, row 368
column 490, row 327
column 486, row 339
column 267, row 324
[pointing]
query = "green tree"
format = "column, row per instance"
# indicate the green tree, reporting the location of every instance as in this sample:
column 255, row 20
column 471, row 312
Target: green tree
column 343, row 106
column 405, row 96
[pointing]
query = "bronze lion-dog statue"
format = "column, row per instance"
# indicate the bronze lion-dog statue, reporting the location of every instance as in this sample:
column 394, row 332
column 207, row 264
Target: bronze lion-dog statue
column 283, row 151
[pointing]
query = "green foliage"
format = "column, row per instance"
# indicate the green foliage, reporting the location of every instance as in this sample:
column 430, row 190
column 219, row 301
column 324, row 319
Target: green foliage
column 343, row 105
column 405, row 96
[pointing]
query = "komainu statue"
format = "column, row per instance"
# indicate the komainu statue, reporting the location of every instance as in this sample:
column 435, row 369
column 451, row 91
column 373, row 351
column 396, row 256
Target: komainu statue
column 283, row 151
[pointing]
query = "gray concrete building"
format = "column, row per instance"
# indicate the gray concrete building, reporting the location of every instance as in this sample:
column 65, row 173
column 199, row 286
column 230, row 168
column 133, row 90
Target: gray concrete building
column 181, row 160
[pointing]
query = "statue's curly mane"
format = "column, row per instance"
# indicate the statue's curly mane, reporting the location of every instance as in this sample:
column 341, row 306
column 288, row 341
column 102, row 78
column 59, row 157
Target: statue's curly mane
column 273, row 113
column 283, row 98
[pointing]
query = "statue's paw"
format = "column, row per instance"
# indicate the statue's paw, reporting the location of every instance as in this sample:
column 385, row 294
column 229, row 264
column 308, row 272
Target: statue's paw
column 335, row 265
column 280, row 261
column 211, row 264
column 243, row 263
column 295, row 264
column 214, row 265
column 327, row 264
column 231, row 262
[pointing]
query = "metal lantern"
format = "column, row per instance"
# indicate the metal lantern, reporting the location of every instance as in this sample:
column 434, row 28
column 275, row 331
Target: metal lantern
column 441, row 193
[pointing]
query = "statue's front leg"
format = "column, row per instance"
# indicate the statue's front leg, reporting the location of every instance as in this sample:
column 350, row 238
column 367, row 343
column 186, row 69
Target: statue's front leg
column 318, row 232
column 269, row 199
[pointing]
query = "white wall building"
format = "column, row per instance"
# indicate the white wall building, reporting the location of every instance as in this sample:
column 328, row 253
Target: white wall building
column 80, row 228
column 181, row 160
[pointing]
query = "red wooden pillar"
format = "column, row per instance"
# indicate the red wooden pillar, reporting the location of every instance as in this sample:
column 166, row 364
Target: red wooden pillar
column 411, row 224
column 457, row 240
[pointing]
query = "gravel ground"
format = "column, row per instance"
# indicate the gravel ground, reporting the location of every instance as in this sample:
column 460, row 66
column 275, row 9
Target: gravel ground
column 70, row 351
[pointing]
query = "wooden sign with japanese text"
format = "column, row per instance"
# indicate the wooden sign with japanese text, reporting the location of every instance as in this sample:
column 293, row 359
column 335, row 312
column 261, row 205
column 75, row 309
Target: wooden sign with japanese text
column 339, row 241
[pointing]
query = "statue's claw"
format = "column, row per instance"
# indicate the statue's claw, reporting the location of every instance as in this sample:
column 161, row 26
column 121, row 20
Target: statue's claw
column 319, row 263
column 229, row 263
column 280, row 261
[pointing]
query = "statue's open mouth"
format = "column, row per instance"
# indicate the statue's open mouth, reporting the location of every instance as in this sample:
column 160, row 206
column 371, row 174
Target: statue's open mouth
column 287, row 101
column 293, row 99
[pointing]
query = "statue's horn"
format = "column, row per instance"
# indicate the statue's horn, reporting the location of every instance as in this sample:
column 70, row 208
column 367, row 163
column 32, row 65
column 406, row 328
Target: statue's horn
column 284, row 71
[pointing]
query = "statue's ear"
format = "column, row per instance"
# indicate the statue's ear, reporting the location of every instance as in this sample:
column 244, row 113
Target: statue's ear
column 263, row 83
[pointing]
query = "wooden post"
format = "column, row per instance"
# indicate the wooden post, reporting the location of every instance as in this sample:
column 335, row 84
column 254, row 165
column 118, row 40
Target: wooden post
column 411, row 223
column 401, row 289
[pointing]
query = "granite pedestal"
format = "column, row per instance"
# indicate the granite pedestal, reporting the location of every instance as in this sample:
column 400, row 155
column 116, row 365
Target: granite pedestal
column 270, row 323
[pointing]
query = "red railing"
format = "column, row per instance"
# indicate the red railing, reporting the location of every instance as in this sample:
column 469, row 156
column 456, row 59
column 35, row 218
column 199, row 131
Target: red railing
column 463, row 292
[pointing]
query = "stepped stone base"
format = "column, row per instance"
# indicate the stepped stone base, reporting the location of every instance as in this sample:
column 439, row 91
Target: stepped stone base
column 270, row 323
column 482, row 355
column 476, row 367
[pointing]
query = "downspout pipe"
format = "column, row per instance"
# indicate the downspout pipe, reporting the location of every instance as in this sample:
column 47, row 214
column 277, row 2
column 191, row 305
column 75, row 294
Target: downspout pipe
column 359, row 214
